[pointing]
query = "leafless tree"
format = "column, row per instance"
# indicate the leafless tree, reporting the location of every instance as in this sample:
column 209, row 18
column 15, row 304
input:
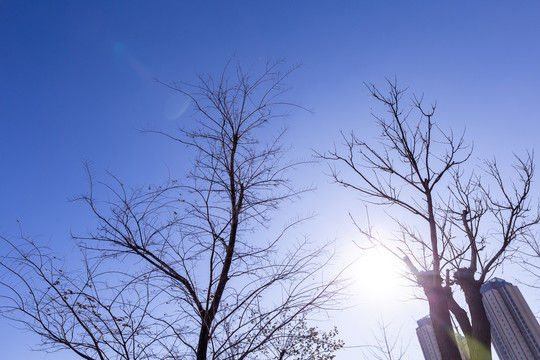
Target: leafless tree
column 416, row 168
column 218, row 281
column 528, row 258
column 86, row 311
column 300, row 341
column 495, row 212
column 387, row 346
column 408, row 167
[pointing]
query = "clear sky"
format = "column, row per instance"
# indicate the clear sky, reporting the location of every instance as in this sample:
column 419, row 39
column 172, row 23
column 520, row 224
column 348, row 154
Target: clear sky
column 77, row 81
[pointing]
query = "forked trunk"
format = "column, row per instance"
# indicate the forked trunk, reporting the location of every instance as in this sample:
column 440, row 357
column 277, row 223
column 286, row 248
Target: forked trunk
column 440, row 316
column 480, row 344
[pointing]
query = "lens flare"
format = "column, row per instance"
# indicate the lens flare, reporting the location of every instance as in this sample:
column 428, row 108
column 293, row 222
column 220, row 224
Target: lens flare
column 175, row 106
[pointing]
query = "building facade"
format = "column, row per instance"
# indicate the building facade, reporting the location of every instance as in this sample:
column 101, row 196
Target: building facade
column 426, row 337
column 515, row 332
column 428, row 342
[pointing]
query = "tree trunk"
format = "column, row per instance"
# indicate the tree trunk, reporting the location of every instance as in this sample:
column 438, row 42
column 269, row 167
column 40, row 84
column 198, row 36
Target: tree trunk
column 440, row 315
column 459, row 313
column 204, row 337
column 431, row 282
column 207, row 318
column 480, row 344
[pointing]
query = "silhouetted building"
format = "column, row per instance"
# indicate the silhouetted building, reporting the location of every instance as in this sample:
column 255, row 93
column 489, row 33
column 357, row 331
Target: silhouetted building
column 515, row 332
column 462, row 346
column 426, row 337
column 428, row 343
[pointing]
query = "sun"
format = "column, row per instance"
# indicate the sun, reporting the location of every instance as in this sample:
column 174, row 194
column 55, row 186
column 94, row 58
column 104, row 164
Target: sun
column 378, row 275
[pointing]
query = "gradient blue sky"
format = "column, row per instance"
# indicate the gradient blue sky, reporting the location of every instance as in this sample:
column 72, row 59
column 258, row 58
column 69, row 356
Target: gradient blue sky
column 77, row 81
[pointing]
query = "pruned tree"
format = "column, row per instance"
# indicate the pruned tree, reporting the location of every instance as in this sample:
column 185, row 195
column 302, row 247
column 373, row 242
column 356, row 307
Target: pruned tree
column 495, row 213
column 471, row 233
column 408, row 168
column 218, row 282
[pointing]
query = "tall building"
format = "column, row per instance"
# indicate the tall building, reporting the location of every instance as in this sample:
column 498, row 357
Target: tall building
column 515, row 331
column 428, row 343
column 426, row 337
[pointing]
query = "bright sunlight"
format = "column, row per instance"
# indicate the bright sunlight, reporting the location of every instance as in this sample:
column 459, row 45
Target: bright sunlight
column 378, row 276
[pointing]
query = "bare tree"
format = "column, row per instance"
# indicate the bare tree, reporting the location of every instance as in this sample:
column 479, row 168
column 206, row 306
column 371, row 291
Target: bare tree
column 387, row 346
column 300, row 341
column 87, row 311
column 408, row 169
column 528, row 259
column 494, row 213
column 416, row 168
column 218, row 281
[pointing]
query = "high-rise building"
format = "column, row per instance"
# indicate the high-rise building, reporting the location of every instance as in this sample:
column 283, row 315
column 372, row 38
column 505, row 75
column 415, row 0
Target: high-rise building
column 426, row 337
column 515, row 332
column 428, row 343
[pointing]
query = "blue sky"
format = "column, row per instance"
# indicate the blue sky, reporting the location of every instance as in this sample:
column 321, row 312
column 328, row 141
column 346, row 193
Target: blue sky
column 77, row 79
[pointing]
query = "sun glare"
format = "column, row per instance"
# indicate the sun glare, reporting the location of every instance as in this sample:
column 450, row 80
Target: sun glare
column 377, row 276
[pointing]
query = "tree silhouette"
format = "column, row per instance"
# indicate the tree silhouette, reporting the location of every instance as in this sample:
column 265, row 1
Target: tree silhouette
column 200, row 273
column 407, row 170
column 419, row 168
